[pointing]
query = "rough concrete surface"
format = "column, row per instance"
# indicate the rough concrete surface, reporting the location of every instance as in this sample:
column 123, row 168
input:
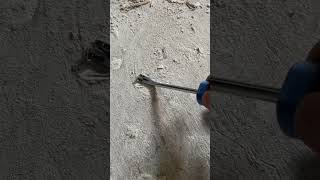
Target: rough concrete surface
column 257, row 41
column 51, row 126
column 158, row 134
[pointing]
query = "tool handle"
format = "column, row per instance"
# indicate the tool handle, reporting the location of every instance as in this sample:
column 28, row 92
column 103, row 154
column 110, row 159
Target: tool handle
column 213, row 85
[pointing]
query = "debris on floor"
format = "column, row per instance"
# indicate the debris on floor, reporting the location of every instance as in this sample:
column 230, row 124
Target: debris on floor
column 134, row 4
column 177, row 1
column 116, row 63
column 193, row 5
column 160, row 66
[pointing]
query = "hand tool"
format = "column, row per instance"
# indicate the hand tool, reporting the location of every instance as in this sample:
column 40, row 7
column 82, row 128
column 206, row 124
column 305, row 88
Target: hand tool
column 225, row 86
column 302, row 79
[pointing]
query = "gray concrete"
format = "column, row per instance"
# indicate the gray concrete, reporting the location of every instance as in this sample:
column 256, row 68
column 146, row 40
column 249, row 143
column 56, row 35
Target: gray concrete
column 257, row 41
column 51, row 126
column 158, row 135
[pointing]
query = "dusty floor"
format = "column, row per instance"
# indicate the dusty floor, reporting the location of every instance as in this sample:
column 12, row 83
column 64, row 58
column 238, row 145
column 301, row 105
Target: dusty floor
column 51, row 126
column 257, row 41
column 158, row 135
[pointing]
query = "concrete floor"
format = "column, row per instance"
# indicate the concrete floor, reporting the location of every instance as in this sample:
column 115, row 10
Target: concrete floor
column 51, row 126
column 257, row 41
column 158, row 134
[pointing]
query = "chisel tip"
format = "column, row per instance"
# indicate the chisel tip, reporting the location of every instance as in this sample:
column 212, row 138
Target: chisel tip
column 142, row 79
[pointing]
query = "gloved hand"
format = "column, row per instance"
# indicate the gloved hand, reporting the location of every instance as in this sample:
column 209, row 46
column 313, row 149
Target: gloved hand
column 307, row 116
column 301, row 80
column 203, row 97
column 298, row 107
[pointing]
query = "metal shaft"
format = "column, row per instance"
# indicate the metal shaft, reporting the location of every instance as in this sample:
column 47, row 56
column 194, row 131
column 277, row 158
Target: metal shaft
column 178, row 88
column 245, row 90
column 225, row 86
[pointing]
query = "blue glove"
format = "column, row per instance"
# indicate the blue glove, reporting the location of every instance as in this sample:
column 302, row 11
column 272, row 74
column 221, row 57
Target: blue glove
column 202, row 94
column 301, row 79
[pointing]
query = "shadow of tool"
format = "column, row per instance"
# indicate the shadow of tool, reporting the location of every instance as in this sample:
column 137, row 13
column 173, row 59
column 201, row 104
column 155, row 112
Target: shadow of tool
column 309, row 168
column 207, row 120
column 170, row 163
column 172, row 158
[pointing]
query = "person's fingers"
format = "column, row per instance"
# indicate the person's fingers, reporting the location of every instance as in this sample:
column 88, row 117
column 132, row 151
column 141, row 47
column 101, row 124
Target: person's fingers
column 307, row 121
column 206, row 100
column 314, row 54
